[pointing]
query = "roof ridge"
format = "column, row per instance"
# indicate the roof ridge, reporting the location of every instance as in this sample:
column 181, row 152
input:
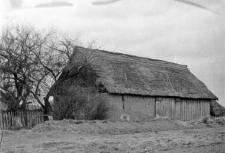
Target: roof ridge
column 134, row 56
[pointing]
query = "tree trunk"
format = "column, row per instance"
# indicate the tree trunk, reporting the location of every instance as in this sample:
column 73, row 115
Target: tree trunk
column 47, row 108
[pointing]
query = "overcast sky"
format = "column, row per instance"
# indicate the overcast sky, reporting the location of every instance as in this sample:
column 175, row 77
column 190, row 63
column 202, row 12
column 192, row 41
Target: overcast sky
column 169, row 30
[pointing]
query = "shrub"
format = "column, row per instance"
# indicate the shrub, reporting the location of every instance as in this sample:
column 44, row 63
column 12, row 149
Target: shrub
column 97, row 108
column 81, row 103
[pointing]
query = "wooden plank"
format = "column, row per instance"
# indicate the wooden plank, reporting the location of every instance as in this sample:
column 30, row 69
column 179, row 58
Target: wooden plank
column 171, row 108
column 3, row 119
column 7, row 120
column 185, row 109
column 195, row 115
column 206, row 109
column 195, row 110
column 176, row 110
column 10, row 120
column 199, row 108
column 209, row 109
column 181, row 110
column 202, row 109
column 198, row 116
column 191, row 108
column 160, row 108
column 168, row 107
column 188, row 110
column 39, row 117
column 156, row 108
column 178, row 104
column 172, row 111
column 186, row 106
column 184, row 114
column 1, row 124
column 28, row 118
column 31, row 119
column 36, row 119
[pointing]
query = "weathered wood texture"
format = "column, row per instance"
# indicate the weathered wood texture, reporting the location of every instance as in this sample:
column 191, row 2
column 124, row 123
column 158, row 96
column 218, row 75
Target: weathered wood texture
column 145, row 108
column 26, row 119
column 182, row 109
column 135, row 107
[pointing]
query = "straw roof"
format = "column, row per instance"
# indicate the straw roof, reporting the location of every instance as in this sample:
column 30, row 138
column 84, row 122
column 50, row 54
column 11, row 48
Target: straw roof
column 216, row 109
column 126, row 74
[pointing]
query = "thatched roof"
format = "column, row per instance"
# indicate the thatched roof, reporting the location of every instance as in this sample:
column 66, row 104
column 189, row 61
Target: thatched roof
column 216, row 109
column 127, row 74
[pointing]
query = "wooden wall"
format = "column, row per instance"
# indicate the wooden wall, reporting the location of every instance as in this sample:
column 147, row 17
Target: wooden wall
column 144, row 108
column 182, row 109
column 137, row 108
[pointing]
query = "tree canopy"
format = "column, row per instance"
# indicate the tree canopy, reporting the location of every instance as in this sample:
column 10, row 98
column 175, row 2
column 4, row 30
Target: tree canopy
column 30, row 62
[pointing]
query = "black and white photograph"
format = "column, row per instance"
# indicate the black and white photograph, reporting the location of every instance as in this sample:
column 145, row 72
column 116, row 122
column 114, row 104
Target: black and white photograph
column 112, row 76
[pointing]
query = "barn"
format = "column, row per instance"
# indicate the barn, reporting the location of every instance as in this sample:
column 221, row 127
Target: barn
column 139, row 88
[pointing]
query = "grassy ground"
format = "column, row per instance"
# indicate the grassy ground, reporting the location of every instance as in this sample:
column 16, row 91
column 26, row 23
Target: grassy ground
column 70, row 136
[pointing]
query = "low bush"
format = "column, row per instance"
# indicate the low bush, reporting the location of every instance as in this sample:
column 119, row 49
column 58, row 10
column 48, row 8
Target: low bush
column 80, row 103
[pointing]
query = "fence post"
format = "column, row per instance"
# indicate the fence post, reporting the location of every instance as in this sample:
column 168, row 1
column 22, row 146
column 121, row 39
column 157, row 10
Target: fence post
column 28, row 119
column 7, row 120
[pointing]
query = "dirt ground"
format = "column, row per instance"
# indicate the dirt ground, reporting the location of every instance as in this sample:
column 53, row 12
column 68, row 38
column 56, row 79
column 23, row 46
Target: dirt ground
column 162, row 135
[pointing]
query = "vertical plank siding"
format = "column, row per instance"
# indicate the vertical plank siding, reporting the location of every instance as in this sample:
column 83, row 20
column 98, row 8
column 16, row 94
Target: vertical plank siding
column 183, row 109
column 28, row 119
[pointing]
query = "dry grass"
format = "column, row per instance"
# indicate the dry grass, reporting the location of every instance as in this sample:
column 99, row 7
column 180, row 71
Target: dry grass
column 71, row 136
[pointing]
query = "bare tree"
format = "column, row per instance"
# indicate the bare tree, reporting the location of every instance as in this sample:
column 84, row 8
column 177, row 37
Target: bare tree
column 31, row 62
